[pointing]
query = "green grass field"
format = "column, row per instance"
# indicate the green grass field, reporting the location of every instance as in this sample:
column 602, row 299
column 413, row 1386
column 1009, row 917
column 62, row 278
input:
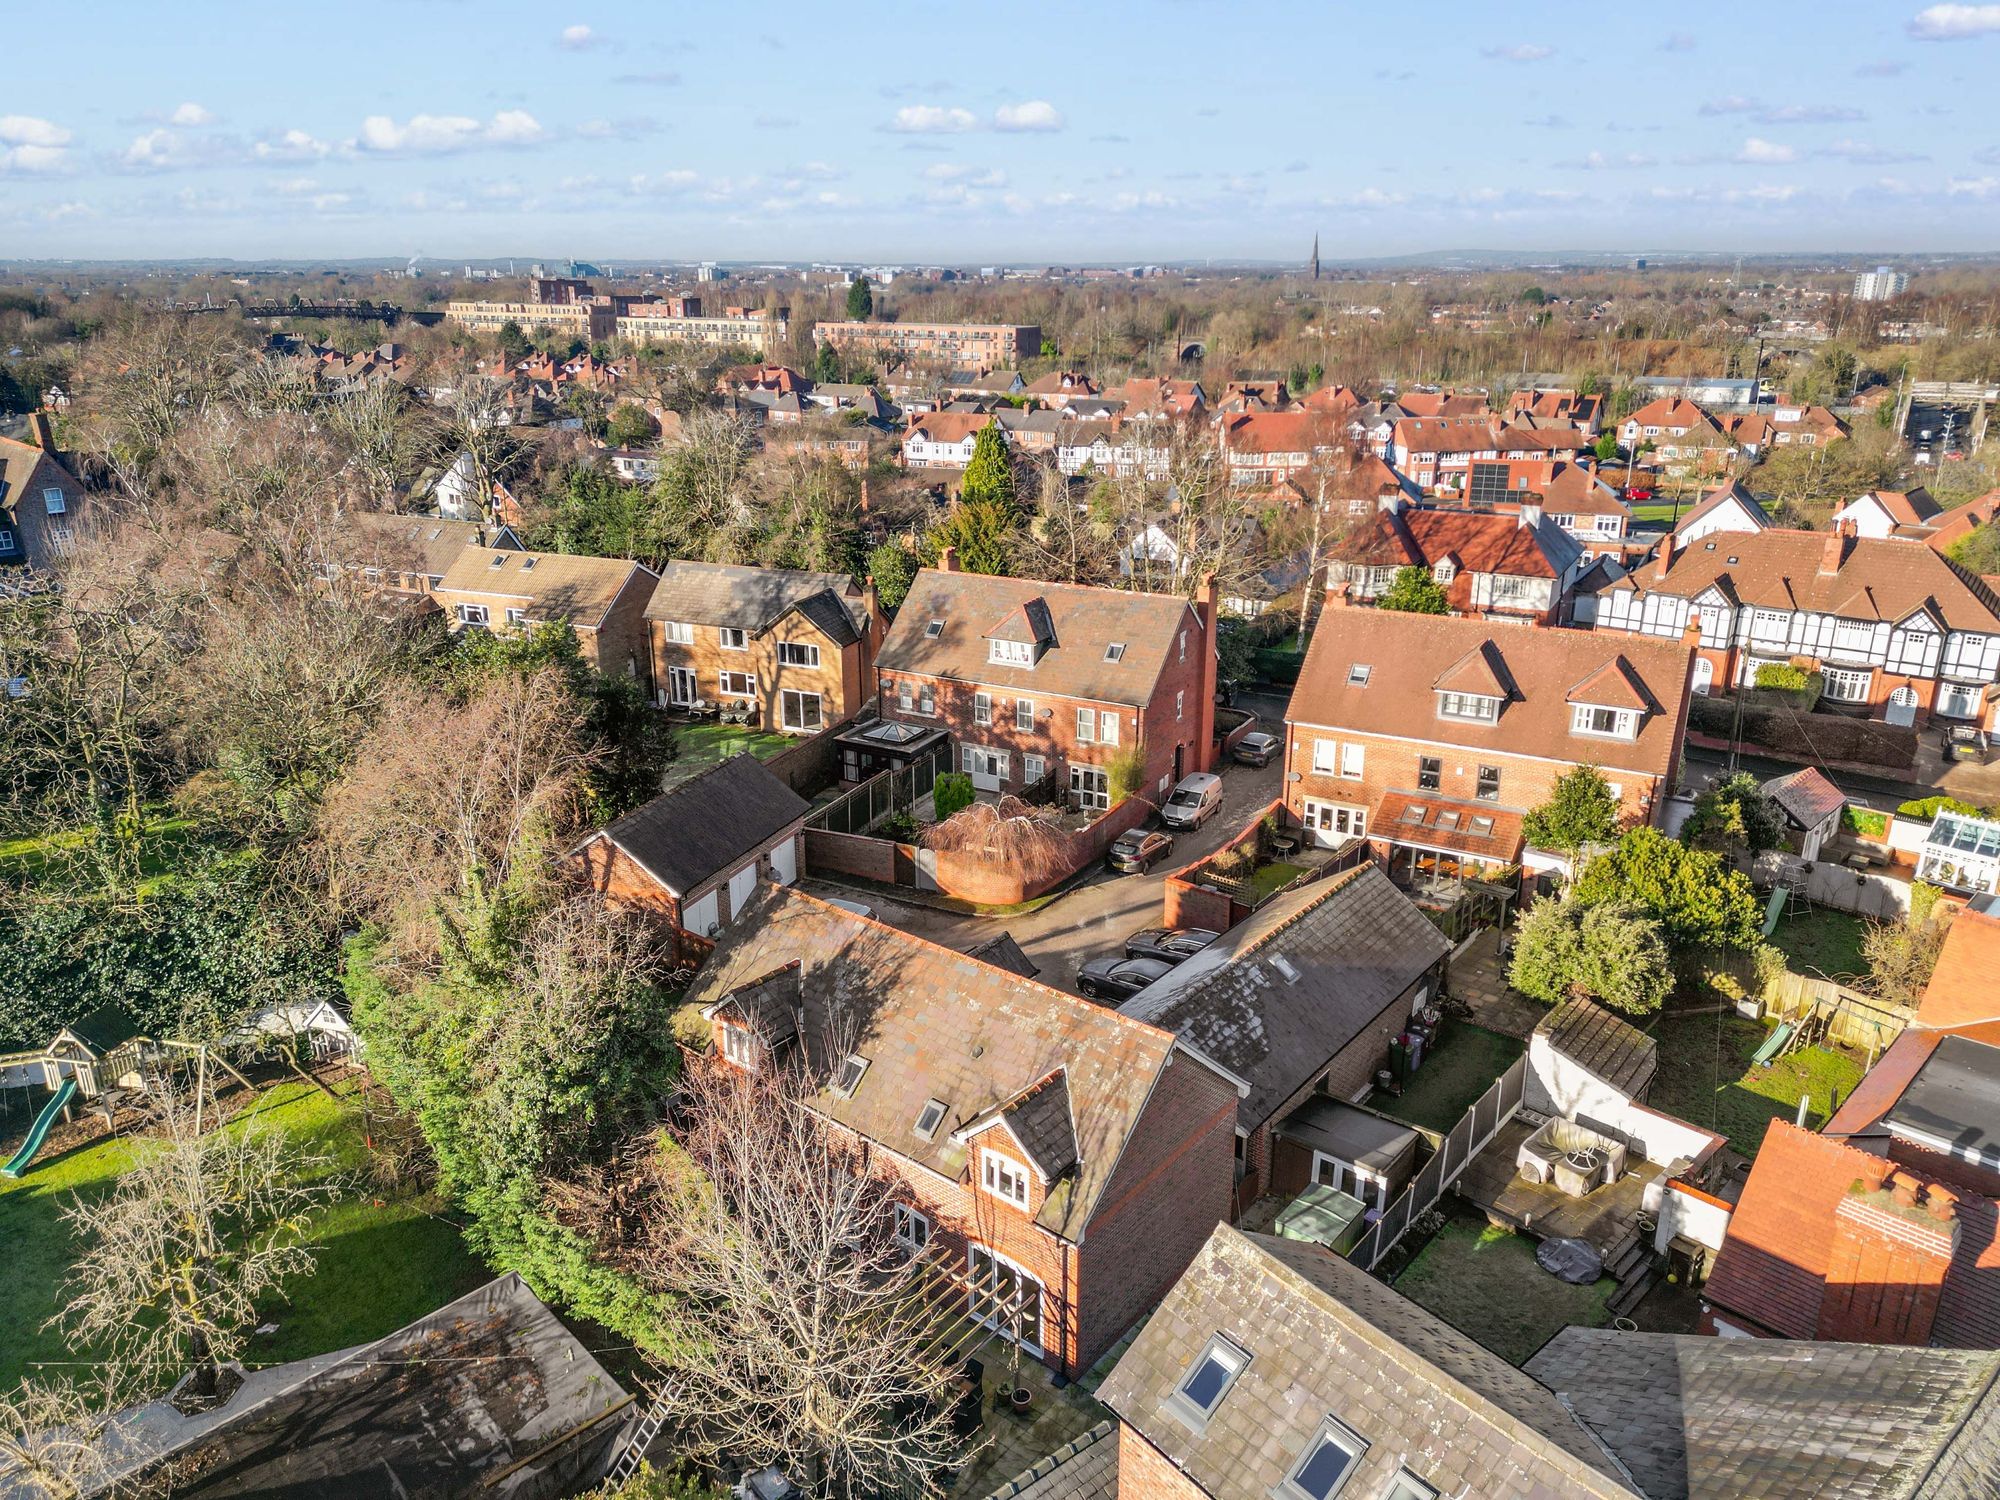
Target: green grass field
column 1823, row 942
column 703, row 745
column 1453, row 1077
column 383, row 1261
column 1706, row 1077
column 1485, row 1283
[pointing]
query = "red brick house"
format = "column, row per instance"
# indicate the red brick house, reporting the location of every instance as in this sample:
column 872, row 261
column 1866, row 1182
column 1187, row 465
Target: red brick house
column 1520, row 567
column 1065, row 1155
column 1896, row 630
column 1048, row 679
column 1431, row 736
column 1301, row 1002
column 42, row 504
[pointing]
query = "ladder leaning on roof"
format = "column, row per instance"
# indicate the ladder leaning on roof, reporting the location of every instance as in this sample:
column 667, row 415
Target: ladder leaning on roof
column 625, row 1463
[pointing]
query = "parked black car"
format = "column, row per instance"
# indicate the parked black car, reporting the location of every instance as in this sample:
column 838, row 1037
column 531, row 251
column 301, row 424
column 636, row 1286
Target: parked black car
column 1111, row 978
column 1256, row 748
column 1135, row 852
column 1169, row 944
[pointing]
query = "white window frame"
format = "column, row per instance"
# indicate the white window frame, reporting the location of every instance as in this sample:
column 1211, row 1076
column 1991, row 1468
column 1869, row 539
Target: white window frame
column 1860, row 677
column 1331, row 1430
column 927, row 700
column 982, row 710
column 798, row 654
column 722, row 684
column 912, row 1228
column 1473, row 708
column 677, row 632
column 1353, row 760
column 1220, row 1351
column 1003, row 1177
column 517, row 617
column 789, row 696
column 1033, row 768
column 1024, row 715
column 904, row 697
column 733, row 638
column 472, row 614
column 1086, row 726
column 1010, row 653
column 1107, row 727
column 6, row 540
column 1180, row 703
column 1583, row 716
column 1326, row 757
column 739, row 1045
column 54, row 501
column 1091, row 787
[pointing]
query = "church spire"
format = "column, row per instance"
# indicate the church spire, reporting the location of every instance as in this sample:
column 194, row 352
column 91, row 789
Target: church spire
column 1315, row 259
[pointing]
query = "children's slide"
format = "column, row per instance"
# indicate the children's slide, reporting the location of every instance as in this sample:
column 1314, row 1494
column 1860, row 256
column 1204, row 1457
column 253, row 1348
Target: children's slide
column 39, row 1131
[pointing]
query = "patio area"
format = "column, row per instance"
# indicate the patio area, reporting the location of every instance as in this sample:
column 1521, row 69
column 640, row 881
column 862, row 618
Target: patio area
column 1479, row 980
column 1602, row 1218
column 1006, row 1443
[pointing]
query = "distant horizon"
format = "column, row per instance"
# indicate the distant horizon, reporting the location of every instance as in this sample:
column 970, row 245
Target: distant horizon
column 604, row 131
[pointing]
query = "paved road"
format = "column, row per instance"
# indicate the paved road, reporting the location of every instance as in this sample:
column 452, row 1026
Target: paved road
column 1096, row 915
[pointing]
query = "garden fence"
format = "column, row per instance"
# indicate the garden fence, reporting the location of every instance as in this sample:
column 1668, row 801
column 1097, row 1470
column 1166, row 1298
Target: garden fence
column 893, row 790
column 1465, row 1140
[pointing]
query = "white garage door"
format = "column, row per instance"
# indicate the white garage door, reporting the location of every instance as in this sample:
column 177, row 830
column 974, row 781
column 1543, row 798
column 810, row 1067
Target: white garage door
column 785, row 862
column 741, row 884
column 701, row 916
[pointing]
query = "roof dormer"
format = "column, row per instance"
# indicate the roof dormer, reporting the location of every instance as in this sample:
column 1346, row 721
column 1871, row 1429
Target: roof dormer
column 1474, row 688
column 1610, row 703
column 1023, row 636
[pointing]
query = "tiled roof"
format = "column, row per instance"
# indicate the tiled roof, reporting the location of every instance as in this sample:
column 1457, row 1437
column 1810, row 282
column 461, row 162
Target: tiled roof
column 1612, row 686
column 1722, row 1419
column 1326, row 1339
column 1603, row 1045
column 1671, row 413
column 753, row 599
column 1405, row 653
column 1877, row 579
column 1479, row 671
column 1905, row 507
column 1954, row 525
column 1277, row 996
column 1086, row 621
column 949, row 426
column 1724, row 494
column 937, row 1024
column 1280, row 432
column 1084, row 1468
column 1448, row 434
column 1481, row 543
column 708, row 823
column 422, row 544
column 1433, row 822
column 1806, row 797
column 1964, row 988
column 552, row 585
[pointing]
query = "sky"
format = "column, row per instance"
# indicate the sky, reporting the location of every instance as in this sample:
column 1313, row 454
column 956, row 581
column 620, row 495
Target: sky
column 973, row 134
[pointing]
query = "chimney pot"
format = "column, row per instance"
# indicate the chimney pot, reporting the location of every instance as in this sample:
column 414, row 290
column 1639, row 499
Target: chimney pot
column 1663, row 562
column 1942, row 1202
column 1691, row 632
column 1904, row 1187
column 948, row 560
column 1835, row 551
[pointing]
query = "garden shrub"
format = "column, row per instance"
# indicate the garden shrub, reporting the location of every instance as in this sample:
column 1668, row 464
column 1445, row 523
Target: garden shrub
column 951, row 793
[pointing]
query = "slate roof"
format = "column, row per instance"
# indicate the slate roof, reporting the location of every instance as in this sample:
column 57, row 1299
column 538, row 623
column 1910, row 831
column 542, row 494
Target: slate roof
column 1325, row 1338
column 1602, row 1044
column 105, row 1029
column 1719, row 1419
column 704, row 826
column 754, row 599
column 937, row 1024
column 1355, row 943
column 441, row 1408
column 1878, row 578
column 1084, row 1468
column 1003, row 952
column 1039, row 1118
column 1805, row 796
column 552, row 586
column 1479, row 542
column 1084, row 622
column 1406, row 653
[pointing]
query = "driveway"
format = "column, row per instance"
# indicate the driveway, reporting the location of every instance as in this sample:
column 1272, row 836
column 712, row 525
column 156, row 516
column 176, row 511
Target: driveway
column 1097, row 914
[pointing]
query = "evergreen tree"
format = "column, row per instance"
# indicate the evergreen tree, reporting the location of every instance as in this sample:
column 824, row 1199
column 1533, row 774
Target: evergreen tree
column 1412, row 592
column 860, row 298
column 1581, row 811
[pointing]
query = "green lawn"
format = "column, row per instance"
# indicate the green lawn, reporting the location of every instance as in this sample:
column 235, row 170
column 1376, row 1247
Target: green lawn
column 1266, row 880
column 1485, row 1283
column 1452, row 1077
column 1822, row 942
column 169, row 843
column 383, row 1261
column 1706, row 1077
column 702, row 745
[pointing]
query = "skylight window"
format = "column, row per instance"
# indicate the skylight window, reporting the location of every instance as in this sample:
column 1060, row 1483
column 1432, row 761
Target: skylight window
column 1208, row 1380
column 1357, row 675
column 930, row 1118
column 933, row 629
column 1285, row 967
column 849, row 1078
column 1115, row 651
column 498, row 562
column 1416, row 812
column 1327, row 1464
column 527, row 564
column 1482, row 826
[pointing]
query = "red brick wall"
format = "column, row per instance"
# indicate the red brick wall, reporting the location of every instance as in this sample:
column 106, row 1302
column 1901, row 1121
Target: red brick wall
column 1145, row 1473
column 615, row 875
column 829, row 853
column 1170, row 1190
column 1187, row 905
column 973, row 877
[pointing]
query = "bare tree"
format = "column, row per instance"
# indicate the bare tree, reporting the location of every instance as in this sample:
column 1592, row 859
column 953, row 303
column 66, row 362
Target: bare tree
column 808, row 1336
column 149, row 375
column 1012, row 834
column 59, row 1440
column 178, row 1258
column 478, row 424
column 705, row 481
column 1068, row 541
column 386, row 434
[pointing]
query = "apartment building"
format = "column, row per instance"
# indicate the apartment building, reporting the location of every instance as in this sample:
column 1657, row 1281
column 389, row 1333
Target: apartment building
column 958, row 346
column 603, row 599
column 1061, row 1160
column 1431, row 736
column 752, row 328
column 1044, row 679
column 799, row 647
column 1896, row 630
column 586, row 318
column 1520, row 567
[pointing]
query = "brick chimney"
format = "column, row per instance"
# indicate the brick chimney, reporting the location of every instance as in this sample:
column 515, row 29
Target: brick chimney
column 1691, row 632
column 1203, row 758
column 1663, row 562
column 864, row 497
column 948, row 560
column 39, row 431
column 1835, row 552
column 878, row 625
column 1886, row 1269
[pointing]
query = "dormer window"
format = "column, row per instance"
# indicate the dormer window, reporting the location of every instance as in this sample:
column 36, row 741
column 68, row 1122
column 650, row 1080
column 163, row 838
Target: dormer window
column 1608, row 723
column 1004, row 1177
column 1476, row 707
column 1011, row 653
column 1444, row 572
column 739, row 1046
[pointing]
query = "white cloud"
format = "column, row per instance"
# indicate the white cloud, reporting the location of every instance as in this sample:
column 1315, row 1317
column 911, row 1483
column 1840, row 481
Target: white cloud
column 1035, row 114
column 1973, row 187
column 191, row 115
column 979, row 177
column 1599, row 161
column 29, row 144
column 1759, row 152
column 678, row 181
column 1811, row 114
column 290, row 145
column 435, row 134
column 932, row 119
column 1953, row 23
column 579, row 39
column 55, row 213
column 156, row 150
column 1519, row 52
column 295, row 187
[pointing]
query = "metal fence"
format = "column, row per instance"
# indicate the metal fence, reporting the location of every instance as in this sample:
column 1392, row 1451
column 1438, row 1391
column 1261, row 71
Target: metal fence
column 1465, row 1140
column 859, row 810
